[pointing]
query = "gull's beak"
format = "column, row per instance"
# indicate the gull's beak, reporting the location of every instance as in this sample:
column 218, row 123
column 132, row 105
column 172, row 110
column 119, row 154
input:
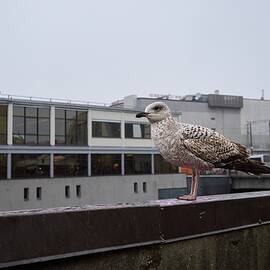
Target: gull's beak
column 141, row 114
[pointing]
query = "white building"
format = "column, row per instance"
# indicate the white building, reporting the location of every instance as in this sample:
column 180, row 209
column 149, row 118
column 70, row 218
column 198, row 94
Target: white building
column 63, row 154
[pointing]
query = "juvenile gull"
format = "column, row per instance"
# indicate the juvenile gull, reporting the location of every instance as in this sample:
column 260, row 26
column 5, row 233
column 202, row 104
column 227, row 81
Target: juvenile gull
column 197, row 147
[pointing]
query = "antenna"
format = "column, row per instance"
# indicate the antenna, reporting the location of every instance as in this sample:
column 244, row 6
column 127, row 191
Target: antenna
column 262, row 97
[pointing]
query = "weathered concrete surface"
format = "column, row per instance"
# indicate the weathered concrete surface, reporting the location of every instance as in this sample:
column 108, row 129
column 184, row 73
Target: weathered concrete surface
column 214, row 232
column 247, row 249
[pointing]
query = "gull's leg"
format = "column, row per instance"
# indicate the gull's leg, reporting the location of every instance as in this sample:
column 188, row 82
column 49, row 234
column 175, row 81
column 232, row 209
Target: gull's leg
column 194, row 187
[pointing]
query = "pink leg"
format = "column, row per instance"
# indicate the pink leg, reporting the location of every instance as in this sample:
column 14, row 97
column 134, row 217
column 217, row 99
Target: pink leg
column 194, row 187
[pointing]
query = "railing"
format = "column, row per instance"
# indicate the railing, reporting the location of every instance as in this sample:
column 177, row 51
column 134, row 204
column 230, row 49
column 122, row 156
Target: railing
column 51, row 100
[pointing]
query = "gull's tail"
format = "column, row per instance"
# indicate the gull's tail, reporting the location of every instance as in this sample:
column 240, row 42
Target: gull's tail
column 249, row 166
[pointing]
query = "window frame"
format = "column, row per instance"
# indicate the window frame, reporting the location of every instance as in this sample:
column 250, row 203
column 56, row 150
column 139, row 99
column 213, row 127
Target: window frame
column 66, row 136
column 5, row 116
column 119, row 159
column 166, row 163
column 80, row 158
column 138, row 123
column 24, row 134
column 23, row 160
column 133, row 171
column 105, row 122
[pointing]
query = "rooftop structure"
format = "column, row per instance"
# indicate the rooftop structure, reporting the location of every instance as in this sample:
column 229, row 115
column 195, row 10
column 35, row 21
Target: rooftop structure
column 243, row 120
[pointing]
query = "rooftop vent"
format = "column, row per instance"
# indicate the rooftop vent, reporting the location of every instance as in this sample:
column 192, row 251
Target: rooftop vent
column 225, row 101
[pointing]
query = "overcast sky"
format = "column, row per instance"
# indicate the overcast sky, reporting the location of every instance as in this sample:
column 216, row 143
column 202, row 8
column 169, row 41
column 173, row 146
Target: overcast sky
column 103, row 50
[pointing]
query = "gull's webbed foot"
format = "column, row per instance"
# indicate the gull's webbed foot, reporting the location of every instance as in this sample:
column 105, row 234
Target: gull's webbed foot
column 189, row 197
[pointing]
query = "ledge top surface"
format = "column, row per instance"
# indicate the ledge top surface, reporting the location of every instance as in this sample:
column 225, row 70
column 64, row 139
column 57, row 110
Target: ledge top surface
column 151, row 203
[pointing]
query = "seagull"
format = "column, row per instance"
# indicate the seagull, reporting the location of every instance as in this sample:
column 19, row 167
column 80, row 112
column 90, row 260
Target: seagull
column 196, row 147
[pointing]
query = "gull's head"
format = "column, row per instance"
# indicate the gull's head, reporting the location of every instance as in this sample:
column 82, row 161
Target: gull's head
column 155, row 112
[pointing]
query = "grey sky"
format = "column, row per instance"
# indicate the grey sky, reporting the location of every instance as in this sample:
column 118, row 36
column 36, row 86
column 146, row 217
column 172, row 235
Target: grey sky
column 103, row 50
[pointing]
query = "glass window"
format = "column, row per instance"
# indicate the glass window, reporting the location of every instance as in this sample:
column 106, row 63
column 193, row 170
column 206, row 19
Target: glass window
column 18, row 125
column 60, row 140
column 3, row 166
column 137, row 164
column 31, row 125
column 136, row 130
column 106, row 129
column 70, row 165
column 162, row 166
column 30, row 165
column 18, row 111
column 70, row 127
column 60, row 113
column 43, row 126
column 30, row 139
column 71, row 131
column 60, row 127
column 3, row 139
column 44, row 139
column 106, row 164
column 70, row 114
column 18, row 139
column 3, row 110
column 31, row 111
column 3, row 124
column 44, row 112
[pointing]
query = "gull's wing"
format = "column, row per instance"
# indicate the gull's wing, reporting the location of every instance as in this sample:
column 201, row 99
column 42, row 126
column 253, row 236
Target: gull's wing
column 211, row 146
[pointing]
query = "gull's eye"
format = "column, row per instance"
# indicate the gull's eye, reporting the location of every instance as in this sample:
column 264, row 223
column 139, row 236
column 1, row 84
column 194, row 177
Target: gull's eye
column 157, row 108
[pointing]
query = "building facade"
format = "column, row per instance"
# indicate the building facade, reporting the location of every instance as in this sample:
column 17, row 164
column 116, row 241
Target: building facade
column 63, row 154
column 243, row 120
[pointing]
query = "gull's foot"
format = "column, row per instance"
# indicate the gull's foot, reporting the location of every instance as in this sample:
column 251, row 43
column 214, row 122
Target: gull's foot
column 187, row 197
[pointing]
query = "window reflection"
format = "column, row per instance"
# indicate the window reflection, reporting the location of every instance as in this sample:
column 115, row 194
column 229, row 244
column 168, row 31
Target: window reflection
column 162, row 166
column 31, row 125
column 70, row 127
column 3, row 124
column 136, row 130
column 30, row 165
column 106, row 164
column 70, row 165
column 3, row 166
column 137, row 164
column 106, row 129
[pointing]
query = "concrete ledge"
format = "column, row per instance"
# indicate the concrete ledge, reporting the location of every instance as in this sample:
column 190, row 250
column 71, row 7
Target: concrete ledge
column 41, row 235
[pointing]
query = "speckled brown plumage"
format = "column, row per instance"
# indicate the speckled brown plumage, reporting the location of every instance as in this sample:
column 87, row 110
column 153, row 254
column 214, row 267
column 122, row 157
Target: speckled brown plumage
column 195, row 146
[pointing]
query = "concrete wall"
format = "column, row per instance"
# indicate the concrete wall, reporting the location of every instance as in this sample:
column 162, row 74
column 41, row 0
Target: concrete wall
column 94, row 190
column 257, row 111
column 250, row 182
column 247, row 249
column 212, row 233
